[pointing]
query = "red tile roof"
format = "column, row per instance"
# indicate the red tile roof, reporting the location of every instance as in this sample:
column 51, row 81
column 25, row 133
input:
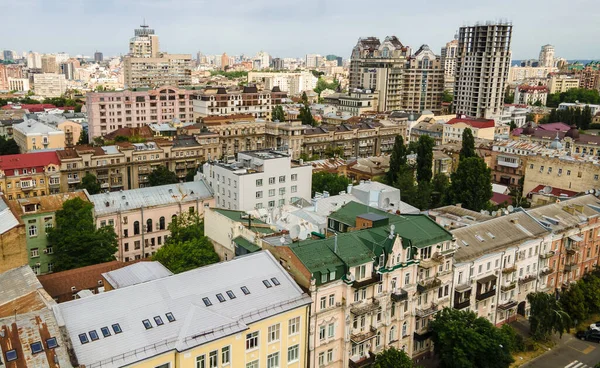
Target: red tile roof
column 28, row 160
column 527, row 88
column 475, row 123
column 30, row 107
column 499, row 198
column 556, row 192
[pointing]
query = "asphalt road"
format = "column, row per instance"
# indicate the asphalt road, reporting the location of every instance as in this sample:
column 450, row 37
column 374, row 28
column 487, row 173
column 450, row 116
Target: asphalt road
column 569, row 353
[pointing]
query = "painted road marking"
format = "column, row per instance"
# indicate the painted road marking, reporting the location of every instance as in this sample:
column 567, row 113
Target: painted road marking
column 576, row 364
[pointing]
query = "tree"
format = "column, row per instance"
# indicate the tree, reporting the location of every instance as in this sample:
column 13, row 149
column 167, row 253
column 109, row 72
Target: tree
column 439, row 191
column 397, row 160
column 425, row 146
column 447, row 96
column 83, row 138
column 509, row 98
column 190, row 175
column 463, row 340
column 332, row 152
column 278, row 114
column 75, row 239
column 90, row 183
column 422, row 196
column 392, row 358
column 306, row 116
column 546, row 316
column 161, row 176
column 323, row 181
column 574, row 302
column 304, row 98
column 187, row 247
column 468, row 145
column 405, row 181
column 8, row 146
column 471, row 184
column 512, row 125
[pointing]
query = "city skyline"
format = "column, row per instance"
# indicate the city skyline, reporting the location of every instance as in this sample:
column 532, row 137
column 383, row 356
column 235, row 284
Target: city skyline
column 245, row 29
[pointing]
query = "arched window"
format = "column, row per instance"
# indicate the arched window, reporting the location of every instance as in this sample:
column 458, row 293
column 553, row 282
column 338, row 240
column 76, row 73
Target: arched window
column 425, row 62
column 33, row 230
column 149, row 226
column 161, row 223
column 398, row 258
column 392, row 334
column 385, row 52
column 136, row 228
column 404, row 329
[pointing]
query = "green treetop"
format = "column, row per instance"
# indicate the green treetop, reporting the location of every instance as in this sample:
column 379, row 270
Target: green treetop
column 161, row 176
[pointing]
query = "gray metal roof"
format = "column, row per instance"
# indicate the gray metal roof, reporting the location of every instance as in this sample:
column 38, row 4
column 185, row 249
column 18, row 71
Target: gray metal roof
column 182, row 295
column 567, row 213
column 136, row 273
column 16, row 283
column 113, row 202
column 7, row 218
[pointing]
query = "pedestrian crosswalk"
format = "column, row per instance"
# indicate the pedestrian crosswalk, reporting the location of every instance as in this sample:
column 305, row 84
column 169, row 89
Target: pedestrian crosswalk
column 577, row 364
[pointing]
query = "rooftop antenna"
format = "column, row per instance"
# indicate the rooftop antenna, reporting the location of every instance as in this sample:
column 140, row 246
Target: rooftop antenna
column 144, row 25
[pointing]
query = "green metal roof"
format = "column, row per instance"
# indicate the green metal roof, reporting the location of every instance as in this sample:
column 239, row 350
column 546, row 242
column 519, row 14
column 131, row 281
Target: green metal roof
column 246, row 244
column 347, row 213
column 237, row 216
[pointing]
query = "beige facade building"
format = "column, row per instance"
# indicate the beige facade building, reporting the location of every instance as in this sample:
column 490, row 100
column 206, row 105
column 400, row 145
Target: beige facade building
column 29, row 174
column 564, row 172
column 32, row 135
column 481, row 128
column 13, row 248
column 423, row 82
column 531, row 95
column 356, row 102
column 285, row 136
column 521, row 74
column 247, row 101
column 237, row 134
column 49, row 84
column 18, row 84
column 449, row 54
column 562, row 83
column 49, row 64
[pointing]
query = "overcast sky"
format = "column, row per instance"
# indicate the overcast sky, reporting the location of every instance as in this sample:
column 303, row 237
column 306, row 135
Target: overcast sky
column 291, row 28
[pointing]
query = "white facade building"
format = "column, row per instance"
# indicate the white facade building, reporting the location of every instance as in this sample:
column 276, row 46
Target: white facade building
column 49, row 84
column 293, row 83
column 547, row 56
column 575, row 105
column 313, row 60
column 258, row 179
column 18, row 84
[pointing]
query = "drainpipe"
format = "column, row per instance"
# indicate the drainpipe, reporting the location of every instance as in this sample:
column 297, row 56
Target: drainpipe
column 499, row 288
column 143, row 228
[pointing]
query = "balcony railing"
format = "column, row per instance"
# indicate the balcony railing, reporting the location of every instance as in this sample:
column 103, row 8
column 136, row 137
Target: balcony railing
column 508, row 305
column 423, row 286
column 546, row 271
column 526, row 279
column 363, row 336
column 547, row 255
column 507, row 270
column 424, row 312
column 487, row 294
column 570, row 267
column 73, row 180
column 572, row 248
column 508, row 287
column 362, row 361
column 463, row 304
column 375, row 278
column 364, row 306
column 399, row 295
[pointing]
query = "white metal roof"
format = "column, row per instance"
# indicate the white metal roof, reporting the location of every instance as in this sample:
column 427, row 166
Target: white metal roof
column 136, row 273
column 113, row 202
column 7, row 218
column 182, row 295
column 16, row 283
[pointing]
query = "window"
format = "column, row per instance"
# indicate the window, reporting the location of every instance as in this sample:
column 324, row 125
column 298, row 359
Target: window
column 322, row 333
column 149, row 226
column 252, row 364
column 35, row 253
column 323, row 302
column 321, row 359
column 359, row 272
column 271, row 204
column 329, row 355
column 201, row 361
column 273, row 360
column 32, row 230
column 51, row 343
column 36, row 347
column 207, row 302
column 48, row 226
column 393, row 333
column 272, row 180
column 252, row 340
column 147, row 324
column 161, row 223
column 274, row 333
column 213, row 359
column 331, row 300
column 11, row 355
column 226, row 355
column 331, row 330
column 294, row 177
column 136, row 228
column 275, row 281
column 293, row 353
column 267, row 284
column 158, row 321
column 245, row 290
column 282, row 191
column 170, row 317
column 220, row 297
column 294, row 188
column 271, row 192
column 117, row 328
column 294, row 326
column 83, row 338
column 259, row 194
column 259, row 182
column 105, row 331
column 282, row 179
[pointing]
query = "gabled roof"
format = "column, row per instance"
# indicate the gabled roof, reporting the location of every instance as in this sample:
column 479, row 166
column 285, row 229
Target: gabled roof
column 567, row 213
column 28, row 160
column 475, row 123
column 136, row 273
column 194, row 322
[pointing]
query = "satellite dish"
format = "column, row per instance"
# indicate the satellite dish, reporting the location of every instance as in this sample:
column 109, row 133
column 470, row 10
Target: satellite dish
column 494, row 213
column 510, row 208
column 482, row 212
column 282, row 240
column 303, row 235
column 295, row 231
column 486, row 213
column 547, row 189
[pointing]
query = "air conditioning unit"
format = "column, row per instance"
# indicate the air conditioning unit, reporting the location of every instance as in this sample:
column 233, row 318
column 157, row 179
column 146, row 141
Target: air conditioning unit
column 338, row 304
column 38, row 264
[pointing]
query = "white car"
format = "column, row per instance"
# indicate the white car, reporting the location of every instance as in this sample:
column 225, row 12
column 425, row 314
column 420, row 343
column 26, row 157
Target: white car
column 595, row 326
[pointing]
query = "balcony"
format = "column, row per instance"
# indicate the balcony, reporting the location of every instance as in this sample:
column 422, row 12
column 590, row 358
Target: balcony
column 572, row 249
column 73, row 180
column 508, row 287
column 363, row 336
column 507, row 270
column 102, row 176
column 423, row 286
column 546, row 271
column 399, row 295
column 547, row 255
column 424, row 312
column 375, row 278
column 144, row 169
column 361, row 361
column 462, row 304
column 431, row 262
column 364, row 306
column 508, row 305
column 526, row 279
column 570, row 267
column 485, row 295
column 54, row 184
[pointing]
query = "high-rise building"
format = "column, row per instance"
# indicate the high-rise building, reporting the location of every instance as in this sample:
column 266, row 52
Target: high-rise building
column 449, row 61
column 313, row 60
column 98, row 57
column 8, row 73
column 34, row 60
column 68, row 69
column 547, row 56
column 483, row 62
column 224, row 61
column 262, row 60
column 278, row 64
column 49, row 84
column 8, row 55
column 49, row 64
column 423, row 84
column 146, row 66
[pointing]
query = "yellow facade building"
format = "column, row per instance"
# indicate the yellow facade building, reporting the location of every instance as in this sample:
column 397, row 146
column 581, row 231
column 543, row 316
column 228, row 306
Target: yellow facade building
column 247, row 312
column 32, row 135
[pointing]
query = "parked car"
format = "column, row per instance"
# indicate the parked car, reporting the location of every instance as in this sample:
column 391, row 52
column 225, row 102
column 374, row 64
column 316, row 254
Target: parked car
column 595, row 326
column 589, row 335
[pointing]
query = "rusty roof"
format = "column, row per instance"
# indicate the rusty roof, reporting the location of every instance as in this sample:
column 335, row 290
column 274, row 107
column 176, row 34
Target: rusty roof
column 45, row 204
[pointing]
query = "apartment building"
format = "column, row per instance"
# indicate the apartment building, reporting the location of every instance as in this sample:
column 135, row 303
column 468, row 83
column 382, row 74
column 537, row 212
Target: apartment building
column 497, row 264
column 49, row 84
column 509, row 160
column 29, row 174
column 562, row 83
column 294, row 83
column 482, row 66
column 481, row 128
column 258, row 179
column 141, row 217
column 423, row 83
column 127, row 165
column 547, row 56
column 449, row 54
column 369, row 137
column 33, row 135
column 531, row 95
column 38, row 214
column 12, row 235
column 249, row 313
column 355, row 102
column 285, row 136
column 237, row 133
column 8, row 72
column 248, row 101
column 146, row 66
column 49, row 64
column 108, row 111
column 378, row 293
